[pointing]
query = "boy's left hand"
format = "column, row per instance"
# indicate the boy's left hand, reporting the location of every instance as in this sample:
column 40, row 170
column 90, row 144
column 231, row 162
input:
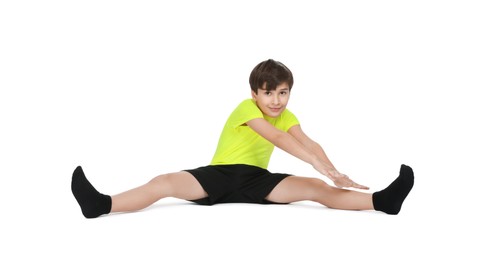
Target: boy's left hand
column 343, row 181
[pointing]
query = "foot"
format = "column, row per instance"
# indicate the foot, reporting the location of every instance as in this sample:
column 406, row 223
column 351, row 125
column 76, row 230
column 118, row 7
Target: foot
column 92, row 203
column 390, row 200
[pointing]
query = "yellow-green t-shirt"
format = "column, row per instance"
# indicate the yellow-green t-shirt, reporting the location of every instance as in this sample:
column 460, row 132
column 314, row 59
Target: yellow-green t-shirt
column 239, row 144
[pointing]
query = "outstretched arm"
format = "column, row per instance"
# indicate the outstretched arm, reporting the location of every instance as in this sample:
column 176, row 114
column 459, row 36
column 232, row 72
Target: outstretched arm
column 296, row 143
column 297, row 132
column 341, row 180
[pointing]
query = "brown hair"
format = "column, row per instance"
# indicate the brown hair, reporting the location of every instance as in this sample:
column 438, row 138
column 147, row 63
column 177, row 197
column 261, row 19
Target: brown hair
column 271, row 72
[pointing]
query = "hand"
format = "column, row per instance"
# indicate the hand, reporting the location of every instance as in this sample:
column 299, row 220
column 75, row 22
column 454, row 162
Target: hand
column 343, row 181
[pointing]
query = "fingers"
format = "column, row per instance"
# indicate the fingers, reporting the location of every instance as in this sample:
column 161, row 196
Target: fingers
column 359, row 186
column 356, row 185
column 348, row 183
column 343, row 181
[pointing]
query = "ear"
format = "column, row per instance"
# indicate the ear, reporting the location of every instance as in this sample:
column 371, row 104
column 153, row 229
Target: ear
column 253, row 95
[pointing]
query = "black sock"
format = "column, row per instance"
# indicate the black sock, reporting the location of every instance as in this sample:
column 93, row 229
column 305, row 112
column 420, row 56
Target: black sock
column 390, row 199
column 92, row 203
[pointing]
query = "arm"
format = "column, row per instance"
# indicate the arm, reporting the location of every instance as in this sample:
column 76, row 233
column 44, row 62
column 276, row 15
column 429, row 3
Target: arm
column 297, row 132
column 296, row 143
column 282, row 140
column 341, row 180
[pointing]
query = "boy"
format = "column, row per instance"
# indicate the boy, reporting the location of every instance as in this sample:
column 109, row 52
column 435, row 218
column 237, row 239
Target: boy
column 237, row 172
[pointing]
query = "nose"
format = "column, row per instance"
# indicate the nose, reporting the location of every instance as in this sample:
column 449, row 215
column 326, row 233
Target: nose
column 275, row 100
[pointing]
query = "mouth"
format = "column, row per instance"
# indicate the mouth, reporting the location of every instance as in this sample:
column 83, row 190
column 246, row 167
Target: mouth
column 275, row 109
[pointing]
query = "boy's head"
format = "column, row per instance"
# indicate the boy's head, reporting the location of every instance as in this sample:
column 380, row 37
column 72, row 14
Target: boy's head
column 269, row 74
column 270, row 83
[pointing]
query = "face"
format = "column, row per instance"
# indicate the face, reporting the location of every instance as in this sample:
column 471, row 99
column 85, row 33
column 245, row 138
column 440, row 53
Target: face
column 272, row 102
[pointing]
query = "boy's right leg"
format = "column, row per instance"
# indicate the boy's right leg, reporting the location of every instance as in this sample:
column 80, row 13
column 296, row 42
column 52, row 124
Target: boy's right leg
column 181, row 185
column 93, row 204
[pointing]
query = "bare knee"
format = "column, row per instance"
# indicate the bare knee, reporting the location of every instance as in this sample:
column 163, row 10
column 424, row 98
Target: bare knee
column 179, row 185
column 318, row 188
column 162, row 184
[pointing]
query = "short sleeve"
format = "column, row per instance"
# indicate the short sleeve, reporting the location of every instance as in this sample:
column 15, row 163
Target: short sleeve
column 288, row 120
column 244, row 112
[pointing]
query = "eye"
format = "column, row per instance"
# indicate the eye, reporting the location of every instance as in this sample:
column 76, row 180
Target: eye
column 268, row 93
column 283, row 93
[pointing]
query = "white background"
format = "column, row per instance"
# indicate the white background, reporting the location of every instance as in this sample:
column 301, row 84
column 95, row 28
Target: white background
column 133, row 89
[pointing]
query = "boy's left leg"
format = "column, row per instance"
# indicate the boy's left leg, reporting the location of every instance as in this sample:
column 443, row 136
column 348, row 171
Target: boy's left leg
column 388, row 200
column 294, row 188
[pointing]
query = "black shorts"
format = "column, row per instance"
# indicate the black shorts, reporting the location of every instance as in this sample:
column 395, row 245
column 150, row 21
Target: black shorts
column 236, row 183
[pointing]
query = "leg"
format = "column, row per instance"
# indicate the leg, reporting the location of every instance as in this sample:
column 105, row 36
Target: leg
column 294, row 188
column 181, row 185
column 388, row 200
